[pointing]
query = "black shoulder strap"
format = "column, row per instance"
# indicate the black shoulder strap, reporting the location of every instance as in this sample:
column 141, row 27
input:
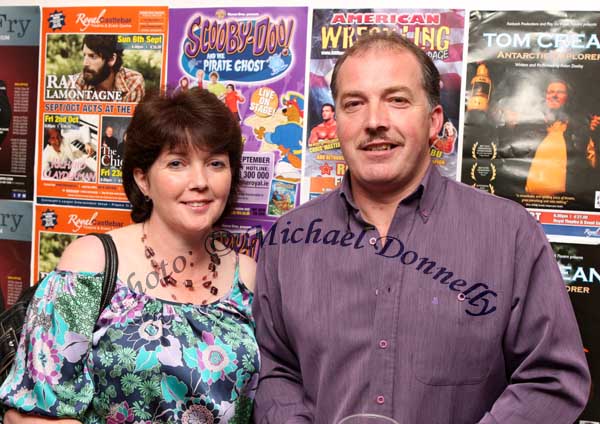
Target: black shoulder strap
column 111, row 266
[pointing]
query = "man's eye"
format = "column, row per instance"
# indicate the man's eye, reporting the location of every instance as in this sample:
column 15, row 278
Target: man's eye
column 352, row 105
column 398, row 100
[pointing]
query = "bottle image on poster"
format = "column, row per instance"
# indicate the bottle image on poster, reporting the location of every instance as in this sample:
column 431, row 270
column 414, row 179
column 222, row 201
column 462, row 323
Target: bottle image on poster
column 532, row 120
column 253, row 59
column 438, row 32
column 580, row 267
column 19, row 54
column 97, row 64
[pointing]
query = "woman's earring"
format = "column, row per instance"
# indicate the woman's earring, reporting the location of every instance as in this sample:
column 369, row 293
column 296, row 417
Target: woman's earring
column 147, row 199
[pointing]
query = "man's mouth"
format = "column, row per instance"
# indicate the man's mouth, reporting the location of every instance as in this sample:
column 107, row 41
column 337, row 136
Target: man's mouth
column 378, row 147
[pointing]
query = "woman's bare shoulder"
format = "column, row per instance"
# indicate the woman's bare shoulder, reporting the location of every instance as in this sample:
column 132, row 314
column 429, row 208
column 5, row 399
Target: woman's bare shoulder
column 247, row 271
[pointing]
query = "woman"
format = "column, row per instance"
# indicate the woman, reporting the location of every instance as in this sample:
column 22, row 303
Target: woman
column 184, row 85
column 177, row 342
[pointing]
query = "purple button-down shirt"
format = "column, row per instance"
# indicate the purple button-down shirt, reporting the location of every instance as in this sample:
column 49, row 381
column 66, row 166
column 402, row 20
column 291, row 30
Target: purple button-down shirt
column 459, row 316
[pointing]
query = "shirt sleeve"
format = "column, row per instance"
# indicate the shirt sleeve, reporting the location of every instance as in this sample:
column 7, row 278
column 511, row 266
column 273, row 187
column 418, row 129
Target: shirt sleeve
column 51, row 375
column 280, row 395
column 548, row 376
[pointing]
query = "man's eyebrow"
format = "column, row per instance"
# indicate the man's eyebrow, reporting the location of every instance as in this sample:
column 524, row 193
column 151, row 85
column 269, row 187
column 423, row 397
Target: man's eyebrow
column 387, row 91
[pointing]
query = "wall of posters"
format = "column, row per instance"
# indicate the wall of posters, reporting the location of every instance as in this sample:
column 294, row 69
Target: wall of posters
column 254, row 60
column 57, row 226
column 97, row 63
column 15, row 248
column 19, row 50
column 438, row 32
column 580, row 267
column 532, row 126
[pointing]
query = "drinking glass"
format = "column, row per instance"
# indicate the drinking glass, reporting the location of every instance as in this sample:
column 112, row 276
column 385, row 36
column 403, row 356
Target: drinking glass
column 367, row 419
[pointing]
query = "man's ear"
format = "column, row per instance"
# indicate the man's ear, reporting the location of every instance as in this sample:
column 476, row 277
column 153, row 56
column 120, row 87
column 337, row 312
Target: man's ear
column 436, row 122
column 141, row 179
column 111, row 61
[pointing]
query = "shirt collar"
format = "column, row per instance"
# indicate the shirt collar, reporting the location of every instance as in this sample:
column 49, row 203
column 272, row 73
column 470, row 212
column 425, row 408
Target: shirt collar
column 427, row 193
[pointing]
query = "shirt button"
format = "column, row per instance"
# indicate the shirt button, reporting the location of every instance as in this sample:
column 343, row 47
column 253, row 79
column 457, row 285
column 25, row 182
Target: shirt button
column 372, row 241
column 380, row 400
column 383, row 344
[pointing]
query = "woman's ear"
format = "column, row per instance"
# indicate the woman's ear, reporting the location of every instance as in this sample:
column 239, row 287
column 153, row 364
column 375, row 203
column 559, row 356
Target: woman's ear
column 141, row 179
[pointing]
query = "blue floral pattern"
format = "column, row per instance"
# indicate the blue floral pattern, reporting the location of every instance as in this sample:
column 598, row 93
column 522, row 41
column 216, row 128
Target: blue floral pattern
column 145, row 360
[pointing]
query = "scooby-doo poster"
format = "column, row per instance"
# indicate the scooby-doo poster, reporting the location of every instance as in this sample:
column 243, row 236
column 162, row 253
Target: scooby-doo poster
column 253, row 59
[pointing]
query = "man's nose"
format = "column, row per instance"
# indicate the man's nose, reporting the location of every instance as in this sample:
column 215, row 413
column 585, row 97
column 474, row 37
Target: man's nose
column 378, row 117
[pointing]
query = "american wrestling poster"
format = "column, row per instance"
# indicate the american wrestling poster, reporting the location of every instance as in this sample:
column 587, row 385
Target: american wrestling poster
column 97, row 63
column 438, row 32
column 19, row 50
column 580, row 267
column 532, row 121
column 253, row 59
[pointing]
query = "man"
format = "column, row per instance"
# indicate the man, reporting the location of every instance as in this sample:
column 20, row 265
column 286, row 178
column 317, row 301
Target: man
column 199, row 78
column 214, row 86
column 553, row 155
column 110, row 145
column 406, row 294
column 68, row 155
column 103, row 69
column 326, row 130
column 232, row 98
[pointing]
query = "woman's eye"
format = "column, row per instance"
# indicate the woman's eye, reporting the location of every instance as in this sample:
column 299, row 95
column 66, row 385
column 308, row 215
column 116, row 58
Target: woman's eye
column 217, row 164
column 175, row 164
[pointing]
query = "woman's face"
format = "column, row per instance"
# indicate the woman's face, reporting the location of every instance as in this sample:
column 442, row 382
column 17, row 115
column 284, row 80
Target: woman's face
column 189, row 188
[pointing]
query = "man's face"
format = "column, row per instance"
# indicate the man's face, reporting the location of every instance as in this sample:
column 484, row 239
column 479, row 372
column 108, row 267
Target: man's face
column 556, row 95
column 213, row 79
column 384, row 121
column 95, row 69
column 54, row 138
column 326, row 113
column 108, row 131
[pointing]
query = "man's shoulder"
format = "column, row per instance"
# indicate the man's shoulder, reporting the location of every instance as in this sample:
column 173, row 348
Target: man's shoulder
column 130, row 74
column 472, row 201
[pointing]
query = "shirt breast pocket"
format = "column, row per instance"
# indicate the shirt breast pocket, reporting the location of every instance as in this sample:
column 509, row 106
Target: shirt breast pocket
column 453, row 347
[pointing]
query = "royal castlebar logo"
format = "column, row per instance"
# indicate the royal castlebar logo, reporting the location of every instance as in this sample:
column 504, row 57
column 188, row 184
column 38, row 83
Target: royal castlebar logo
column 56, row 20
column 49, row 219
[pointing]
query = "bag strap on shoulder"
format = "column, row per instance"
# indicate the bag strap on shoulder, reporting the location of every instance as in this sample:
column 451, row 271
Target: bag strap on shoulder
column 111, row 266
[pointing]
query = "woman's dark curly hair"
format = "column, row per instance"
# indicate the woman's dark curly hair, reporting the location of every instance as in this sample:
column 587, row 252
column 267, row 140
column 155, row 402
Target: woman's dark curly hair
column 190, row 119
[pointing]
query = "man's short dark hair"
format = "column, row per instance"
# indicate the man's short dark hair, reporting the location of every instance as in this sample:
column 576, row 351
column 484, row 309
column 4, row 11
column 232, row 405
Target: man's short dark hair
column 328, row 104
column 393, row 41
column 105, row 45
column 189, row 119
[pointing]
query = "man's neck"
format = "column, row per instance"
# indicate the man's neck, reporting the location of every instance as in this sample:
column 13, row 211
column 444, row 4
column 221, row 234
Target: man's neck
column 108, row 84
column 378, row 205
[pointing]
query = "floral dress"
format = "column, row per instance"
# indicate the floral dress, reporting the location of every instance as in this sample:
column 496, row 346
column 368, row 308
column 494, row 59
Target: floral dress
column 145, row 360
